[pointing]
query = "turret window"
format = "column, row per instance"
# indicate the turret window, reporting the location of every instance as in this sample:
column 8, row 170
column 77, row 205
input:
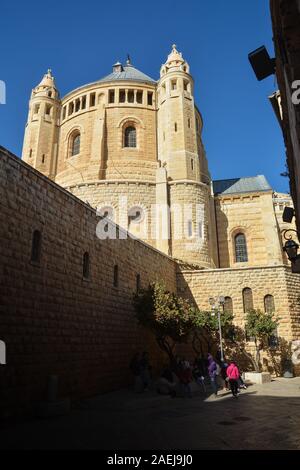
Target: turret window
column 77, row 105
column 150, row 98
column 173, row 84
column 43, row 158
column 64, row 112
column 175, row 126
column 83, row 102
column 190, row 228
column 36, row 109
column 130, row 137
column 48, row 109
column 189, row 123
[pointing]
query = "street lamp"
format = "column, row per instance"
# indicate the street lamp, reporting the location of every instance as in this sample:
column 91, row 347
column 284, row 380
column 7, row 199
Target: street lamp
column 291, row 249
column 216, row 304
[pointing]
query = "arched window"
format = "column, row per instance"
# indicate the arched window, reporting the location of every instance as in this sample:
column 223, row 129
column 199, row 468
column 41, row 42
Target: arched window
column 130, row 137
column 241, row 255
column 269, row 304
column 75, row 144
column 247, row 300
column 36, row 246
column 228, row 306
column 86, row 266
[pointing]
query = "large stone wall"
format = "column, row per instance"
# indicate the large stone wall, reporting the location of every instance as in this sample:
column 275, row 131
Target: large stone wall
column 52, row 320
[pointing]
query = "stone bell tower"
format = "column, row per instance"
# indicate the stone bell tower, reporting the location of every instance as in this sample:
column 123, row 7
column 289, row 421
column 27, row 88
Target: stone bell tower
column 182, row 157
column 177, row 123
column 42, row 128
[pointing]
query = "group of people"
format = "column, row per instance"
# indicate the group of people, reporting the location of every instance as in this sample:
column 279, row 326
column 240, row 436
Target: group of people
column 228, row 373
column 175, row 380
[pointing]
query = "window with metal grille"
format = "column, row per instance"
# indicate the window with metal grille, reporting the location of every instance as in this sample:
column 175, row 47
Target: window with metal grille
column 247, row 299
column 269, row 304
column 75, row 150
column 130, row 137
column 228, row 306
column 86, row 266
column 241, row 254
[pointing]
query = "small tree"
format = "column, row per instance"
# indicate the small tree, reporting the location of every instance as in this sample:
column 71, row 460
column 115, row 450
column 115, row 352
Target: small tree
column 168, row 316
column 260, row 326
column 206, row 329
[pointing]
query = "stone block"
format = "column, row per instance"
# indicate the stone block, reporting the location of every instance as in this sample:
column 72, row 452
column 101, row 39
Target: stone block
column 258, row 377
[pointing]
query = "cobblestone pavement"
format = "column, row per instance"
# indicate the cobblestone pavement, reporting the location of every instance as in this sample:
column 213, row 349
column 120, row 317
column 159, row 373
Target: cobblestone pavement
column 263, row 417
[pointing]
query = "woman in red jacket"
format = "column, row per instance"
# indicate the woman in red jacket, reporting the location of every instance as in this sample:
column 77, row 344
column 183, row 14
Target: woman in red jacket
column 233, row 374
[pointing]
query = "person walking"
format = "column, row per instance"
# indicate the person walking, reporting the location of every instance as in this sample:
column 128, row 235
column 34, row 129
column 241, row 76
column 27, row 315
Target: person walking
column 233, row 375
column 212, row 372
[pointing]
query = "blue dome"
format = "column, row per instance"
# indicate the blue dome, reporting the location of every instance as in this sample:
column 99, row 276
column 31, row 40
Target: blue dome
column 128, row 72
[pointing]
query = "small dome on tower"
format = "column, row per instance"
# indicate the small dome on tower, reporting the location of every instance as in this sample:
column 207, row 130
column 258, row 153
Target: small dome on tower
column 175, row 62
column 48, row 80
column 175, row 57
column 47, row 86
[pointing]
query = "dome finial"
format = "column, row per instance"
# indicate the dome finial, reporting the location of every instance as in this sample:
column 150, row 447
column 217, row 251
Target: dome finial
column 128, row 61
column 174, row 47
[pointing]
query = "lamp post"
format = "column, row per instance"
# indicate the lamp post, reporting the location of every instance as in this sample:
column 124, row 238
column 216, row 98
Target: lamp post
column 216, row 304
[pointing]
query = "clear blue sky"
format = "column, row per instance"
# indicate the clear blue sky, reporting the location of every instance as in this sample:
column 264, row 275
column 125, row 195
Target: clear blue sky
column 81, row 40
